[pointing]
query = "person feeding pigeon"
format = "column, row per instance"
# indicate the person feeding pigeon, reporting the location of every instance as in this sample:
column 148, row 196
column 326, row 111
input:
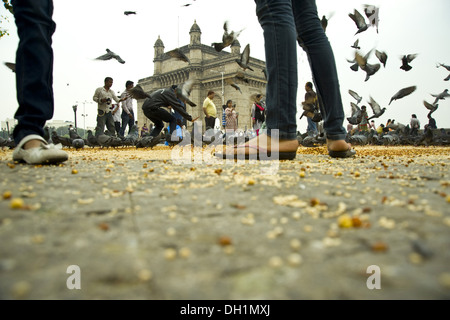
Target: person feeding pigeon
column 283, row 23
column 153, row 108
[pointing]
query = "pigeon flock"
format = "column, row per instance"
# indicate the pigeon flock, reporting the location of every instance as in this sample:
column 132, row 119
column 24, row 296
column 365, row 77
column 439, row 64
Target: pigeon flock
column 361, row 62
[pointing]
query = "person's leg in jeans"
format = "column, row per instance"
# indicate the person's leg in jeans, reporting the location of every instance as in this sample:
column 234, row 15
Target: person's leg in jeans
column 323, row 67
column 34, row 66
column 101, row 120
column 158, row 117
column 126, row 120
column 110, row 126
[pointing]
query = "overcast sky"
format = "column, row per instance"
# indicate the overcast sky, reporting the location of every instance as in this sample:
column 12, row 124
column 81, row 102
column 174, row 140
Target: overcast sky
column 86, row 28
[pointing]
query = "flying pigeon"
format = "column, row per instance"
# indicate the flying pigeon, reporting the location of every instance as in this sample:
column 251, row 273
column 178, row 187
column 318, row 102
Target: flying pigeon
column 377, row 110
column 244, row 59
column 441, row 96
column 178, row 54
column 324, row 21
column 356, row 115
column 431, row 107
column 356, row 45
column 138, row 93
column 227, row 38
column 370, row 69
column 406, row 60
column 382, row 57
column 359, row 21
column 110, row 55
column 129, row 12
column 183, row 92
column 372, row 13
column 355, row 95
column 241, row 76
column 11, row 65
column 233, row 84
column 446, row 67
column 403, row 93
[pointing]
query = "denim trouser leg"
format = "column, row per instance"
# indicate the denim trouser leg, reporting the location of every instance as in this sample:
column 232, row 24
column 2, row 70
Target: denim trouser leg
column 34, row 66
column 126, row 120
column 157, row 116
column 280, row 38
column 323, row 66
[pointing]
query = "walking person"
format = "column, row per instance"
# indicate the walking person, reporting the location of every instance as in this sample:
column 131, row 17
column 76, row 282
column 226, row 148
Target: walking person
column 104, row 96
column 284, row 22
column 127, row 116
column 34, row 82
column 311, row 101
column 210, row 111
column 258, row 114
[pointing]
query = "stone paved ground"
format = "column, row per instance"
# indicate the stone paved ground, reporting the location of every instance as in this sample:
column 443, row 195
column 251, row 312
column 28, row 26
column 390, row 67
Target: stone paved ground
column 140, row 225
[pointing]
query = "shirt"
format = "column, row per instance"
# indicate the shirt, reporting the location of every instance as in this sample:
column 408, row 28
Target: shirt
column 415, row 123
column 127, row 105
column 116, row 114
column 209, row 107
column 101, row 93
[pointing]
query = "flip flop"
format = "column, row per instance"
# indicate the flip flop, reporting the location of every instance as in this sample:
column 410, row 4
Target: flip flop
column 342, row 154
column 261, row 154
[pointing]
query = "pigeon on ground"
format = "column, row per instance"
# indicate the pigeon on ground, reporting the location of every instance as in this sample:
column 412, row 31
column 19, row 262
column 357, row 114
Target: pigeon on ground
column 92, row 140
column 11, row 65
column 132, row 136
column 356, row 115
column 372, row 13
column 183, row 92
column 377, row 110
column 74, row 135
column 356, row 45
column 178, row 54
column 370, row 69
column 382, row 57
column 227, row 38
column 406, row 60
column 432, row 107
column 110, row 55
column 441, row 96
column 244, row 59
column 78, row 143
column 355, row 95
column 65, row 142
column 403, row 93
column 359, row 21
column 127, row 13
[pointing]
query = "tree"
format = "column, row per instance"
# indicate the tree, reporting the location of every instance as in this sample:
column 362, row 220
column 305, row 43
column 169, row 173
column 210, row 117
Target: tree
column 8, row 7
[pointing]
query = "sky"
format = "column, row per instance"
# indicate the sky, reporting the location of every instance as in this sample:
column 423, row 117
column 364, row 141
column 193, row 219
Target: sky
column 84, row 29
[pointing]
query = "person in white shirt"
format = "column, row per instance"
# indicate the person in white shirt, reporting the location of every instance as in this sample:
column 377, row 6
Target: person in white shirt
column 103, row 96
column 127, row 109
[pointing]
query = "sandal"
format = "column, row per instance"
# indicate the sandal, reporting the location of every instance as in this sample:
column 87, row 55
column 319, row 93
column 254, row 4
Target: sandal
column 342, row 154
column 44, row 154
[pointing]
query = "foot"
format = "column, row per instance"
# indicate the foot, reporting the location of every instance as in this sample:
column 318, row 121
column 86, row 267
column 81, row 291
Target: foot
column 32, row 144
column 338, row 145
column 262, row 146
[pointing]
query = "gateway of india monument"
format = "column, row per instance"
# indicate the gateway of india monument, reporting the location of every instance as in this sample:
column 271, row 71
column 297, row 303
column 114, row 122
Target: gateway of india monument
column 210, row 70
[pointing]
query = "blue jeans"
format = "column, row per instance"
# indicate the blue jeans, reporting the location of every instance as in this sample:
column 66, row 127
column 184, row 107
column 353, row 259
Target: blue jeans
column 126, row 120
column 312, row 127
column 284, row 22
column 34, row 66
